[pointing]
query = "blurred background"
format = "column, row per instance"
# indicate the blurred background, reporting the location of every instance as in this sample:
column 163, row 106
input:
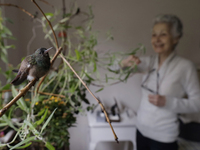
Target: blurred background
column 130, row 22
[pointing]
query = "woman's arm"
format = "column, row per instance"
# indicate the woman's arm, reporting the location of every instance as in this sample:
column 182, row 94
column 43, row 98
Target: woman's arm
column 190, row 83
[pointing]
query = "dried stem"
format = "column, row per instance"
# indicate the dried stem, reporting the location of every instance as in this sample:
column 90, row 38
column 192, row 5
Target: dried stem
column 43, row 93
column 52, row 94
column 103, row 108
column 47, row 3
column 19, row 8
column 16, row 98
column 111, row 84
column 64, row 8
column 48, row 22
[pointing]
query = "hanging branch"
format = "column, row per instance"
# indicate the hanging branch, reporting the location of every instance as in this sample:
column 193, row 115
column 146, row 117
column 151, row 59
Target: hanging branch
column 103, row 108
column 64, row 8
column 47, row 3
column 56, row 40
column 22, row 9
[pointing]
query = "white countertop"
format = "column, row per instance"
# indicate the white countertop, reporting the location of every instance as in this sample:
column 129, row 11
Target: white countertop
column 125, row 120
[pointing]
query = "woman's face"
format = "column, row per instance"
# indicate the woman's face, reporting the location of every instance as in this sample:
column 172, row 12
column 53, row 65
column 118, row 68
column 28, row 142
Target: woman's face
column 162, row 39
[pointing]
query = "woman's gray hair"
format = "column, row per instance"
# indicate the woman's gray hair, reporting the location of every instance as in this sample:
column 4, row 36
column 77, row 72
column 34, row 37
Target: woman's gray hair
column 173, row 21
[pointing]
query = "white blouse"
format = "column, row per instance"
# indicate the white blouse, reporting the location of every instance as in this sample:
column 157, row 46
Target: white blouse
column 176, row 78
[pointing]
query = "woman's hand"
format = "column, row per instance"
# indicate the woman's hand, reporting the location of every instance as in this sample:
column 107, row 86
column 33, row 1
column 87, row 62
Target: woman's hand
column 130, row 61
column 157, row 100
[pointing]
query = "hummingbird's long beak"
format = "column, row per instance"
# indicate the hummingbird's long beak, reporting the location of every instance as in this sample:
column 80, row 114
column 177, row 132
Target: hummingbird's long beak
column 46, row 51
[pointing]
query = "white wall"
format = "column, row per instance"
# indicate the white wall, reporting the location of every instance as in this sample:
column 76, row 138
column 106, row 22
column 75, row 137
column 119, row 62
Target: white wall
column 131, row 22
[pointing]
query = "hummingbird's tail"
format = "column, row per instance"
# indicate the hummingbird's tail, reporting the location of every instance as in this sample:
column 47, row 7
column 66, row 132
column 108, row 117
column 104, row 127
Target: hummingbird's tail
column 15, row 70
column 19, row 79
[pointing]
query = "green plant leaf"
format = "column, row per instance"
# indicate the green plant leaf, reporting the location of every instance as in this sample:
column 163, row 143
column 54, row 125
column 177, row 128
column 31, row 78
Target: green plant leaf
column 6, row 87
column 77, row 54
column 9, row 122
column 2, row 145
column 49, row 14
column 24, row 146
column 20, row 102
column 49, row 146
column 50, row 31
column 48, row 120
column 3, row 124
column 42, row 119
column 64, row 20
column 89, row 77
column 99, row 90
column 23, row 142
column 41, row 112
column 4, row 58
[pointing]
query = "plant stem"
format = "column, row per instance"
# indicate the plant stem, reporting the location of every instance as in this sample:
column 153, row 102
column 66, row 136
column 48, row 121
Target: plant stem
column 103, row 108
column 47, row 3
column 48, row 23
column 6, row 4
column 64, row 8
column 51, row 94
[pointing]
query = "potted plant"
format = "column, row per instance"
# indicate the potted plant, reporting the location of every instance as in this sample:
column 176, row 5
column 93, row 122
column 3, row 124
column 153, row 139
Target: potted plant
column 47, row 111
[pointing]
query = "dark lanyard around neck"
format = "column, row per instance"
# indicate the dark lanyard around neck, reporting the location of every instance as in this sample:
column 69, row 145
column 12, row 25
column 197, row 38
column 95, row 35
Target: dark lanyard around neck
column 157, row 79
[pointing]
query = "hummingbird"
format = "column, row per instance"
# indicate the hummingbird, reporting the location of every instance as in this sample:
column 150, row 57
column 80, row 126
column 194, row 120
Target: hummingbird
column 33, row 66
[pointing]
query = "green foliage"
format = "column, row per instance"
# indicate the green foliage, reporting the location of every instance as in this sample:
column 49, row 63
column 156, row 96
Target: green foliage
column 47, row 117
column 5, row 33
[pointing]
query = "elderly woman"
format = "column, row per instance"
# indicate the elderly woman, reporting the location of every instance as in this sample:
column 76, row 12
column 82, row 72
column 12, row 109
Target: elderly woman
column 167, row 78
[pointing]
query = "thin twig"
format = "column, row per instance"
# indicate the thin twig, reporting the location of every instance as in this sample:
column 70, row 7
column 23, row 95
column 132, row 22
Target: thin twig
column 43, row 93
column 52, row 94
column 111, row 84
column 32, row 38
column 103, row 108
column 47, row 3
column 48, row 22
column 7, row 4
column 64, row 8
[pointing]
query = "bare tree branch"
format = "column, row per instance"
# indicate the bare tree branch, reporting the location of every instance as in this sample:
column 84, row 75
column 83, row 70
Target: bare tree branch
column 16, row 98
column 6, row 4
column 47, row 3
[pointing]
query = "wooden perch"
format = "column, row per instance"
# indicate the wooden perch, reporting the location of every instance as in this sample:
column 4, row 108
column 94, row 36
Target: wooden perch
column 21, row 93
column 103, row 108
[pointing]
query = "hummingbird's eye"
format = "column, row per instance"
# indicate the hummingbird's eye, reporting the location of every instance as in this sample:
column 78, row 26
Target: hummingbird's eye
column 41, row 52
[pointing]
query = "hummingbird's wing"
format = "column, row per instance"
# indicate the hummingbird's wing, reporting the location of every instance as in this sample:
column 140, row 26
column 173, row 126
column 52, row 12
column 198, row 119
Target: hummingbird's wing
column 22, row 74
